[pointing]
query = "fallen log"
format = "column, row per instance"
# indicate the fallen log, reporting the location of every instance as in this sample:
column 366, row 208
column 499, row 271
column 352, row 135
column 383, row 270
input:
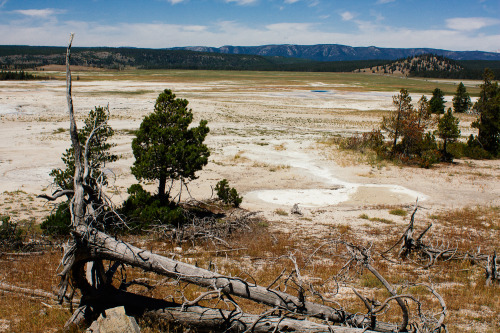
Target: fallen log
column 101, row 246
column 206, row 319
column 203, row 319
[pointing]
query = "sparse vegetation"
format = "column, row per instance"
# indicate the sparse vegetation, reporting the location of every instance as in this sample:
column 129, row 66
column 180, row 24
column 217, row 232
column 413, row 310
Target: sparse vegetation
column 254, row 252
column 398, row 212
column 228, row 195
column 281, row 212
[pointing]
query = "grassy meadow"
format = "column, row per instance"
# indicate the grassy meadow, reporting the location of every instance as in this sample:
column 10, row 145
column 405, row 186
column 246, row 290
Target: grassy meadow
column 298, row 80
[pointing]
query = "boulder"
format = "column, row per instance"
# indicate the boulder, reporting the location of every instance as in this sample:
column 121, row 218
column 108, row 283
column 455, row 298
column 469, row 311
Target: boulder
column 114, row 321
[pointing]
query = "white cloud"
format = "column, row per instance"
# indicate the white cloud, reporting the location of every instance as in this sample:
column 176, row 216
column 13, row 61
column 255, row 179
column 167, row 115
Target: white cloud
column 161, row 35
column 289, row 27
column 291, row 1
column 242, row 2
column 470, row 23
column 347, row 16
column 39, row 13
column 174, row 2
column 3, row 2
column 380, row 2
column 378, row 16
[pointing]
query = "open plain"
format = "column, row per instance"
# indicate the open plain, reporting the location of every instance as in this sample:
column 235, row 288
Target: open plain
column 271, row 138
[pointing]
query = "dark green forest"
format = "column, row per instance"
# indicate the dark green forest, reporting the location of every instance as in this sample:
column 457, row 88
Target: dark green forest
column 15, row 58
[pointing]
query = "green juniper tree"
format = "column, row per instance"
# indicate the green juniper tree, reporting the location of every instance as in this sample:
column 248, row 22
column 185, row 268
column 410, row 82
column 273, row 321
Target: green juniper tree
column 166, row 148
column 96, row 124
column 461, row 100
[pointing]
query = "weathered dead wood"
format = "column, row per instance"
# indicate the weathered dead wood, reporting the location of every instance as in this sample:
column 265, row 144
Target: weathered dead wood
column 201, row 318
column 102, row 246
column 362, row 255
column 27, row 291
column 208, row 319
column 56, row 195
column 22, row 254
column 492, row 271
column 432, row 254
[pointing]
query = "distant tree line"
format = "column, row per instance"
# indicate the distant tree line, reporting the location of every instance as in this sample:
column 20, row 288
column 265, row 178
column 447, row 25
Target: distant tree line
column 24, row 57
column 31, row 57
column 20, row 75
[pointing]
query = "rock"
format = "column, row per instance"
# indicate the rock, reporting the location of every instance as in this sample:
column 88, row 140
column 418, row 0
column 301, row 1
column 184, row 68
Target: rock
column 296, row 210
column 115, row 321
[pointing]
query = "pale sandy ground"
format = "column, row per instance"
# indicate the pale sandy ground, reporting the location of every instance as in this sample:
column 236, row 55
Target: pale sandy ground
column 265, row 141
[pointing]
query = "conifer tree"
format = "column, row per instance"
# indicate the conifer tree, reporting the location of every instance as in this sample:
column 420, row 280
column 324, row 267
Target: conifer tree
column 461, row 100
column 437, row 101
column 448, row 131
column 166, row 148
column 96, row 124
column 488, row 108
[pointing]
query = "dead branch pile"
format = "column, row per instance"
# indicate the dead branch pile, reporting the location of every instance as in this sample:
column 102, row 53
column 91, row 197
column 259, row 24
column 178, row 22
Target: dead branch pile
column 205, row 225
column 428, row 254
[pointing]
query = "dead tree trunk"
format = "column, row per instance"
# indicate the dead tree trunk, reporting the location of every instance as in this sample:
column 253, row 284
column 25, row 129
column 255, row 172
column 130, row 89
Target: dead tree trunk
column 99, row 246
column 231, row 321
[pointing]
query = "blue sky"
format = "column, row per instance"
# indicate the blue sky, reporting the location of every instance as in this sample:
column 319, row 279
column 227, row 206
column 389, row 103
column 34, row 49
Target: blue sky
column 453, row 24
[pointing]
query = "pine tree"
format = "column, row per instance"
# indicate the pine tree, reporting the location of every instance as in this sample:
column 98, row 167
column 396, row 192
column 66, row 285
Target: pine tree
column 437, row 101
column 166, row 148
column 461, row 100
column 488, row 108
column 96, row 124
column 448, row 131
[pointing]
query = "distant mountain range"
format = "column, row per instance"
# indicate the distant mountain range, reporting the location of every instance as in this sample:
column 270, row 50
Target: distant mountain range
column 313, row 58
column 335, row 52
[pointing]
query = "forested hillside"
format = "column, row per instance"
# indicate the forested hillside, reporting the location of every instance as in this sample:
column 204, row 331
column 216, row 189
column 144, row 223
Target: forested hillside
column 431, row 65
column 14, row 58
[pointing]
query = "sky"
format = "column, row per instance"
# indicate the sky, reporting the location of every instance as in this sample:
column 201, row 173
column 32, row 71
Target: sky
column 457, row 25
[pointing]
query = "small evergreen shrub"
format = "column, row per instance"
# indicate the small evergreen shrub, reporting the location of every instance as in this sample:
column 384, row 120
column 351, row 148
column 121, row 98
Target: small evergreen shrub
column 428, row 151
column 457, row 149
column 10, row 235
column 228, row 195
column 58, row 223
column 475, row 150
column 143, row 209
